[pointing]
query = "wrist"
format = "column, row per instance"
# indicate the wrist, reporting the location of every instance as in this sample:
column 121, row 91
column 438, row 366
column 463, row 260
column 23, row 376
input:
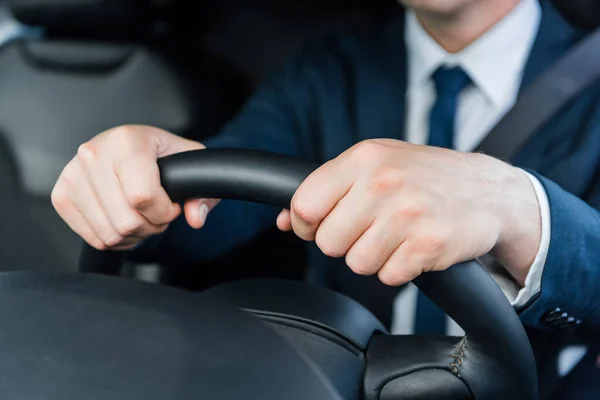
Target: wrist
column 520, row 226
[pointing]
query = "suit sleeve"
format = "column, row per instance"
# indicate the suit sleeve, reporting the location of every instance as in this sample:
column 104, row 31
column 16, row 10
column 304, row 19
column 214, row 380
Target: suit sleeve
column 570, row 284
column 275, row 119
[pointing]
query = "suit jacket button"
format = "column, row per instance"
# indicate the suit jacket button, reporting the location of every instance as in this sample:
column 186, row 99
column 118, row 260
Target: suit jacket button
column 556, row 317
column 574, row 324
column 569, row 323
column 552, row 315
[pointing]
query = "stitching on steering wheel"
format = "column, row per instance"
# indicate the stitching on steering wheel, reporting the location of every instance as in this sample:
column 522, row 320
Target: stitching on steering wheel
column 457, row 355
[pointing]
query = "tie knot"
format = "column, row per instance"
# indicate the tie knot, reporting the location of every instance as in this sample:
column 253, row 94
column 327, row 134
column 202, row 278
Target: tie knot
column 450, row 81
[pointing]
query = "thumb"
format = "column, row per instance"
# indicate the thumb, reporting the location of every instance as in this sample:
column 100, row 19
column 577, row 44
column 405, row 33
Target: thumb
column 197, row 210
column 284, row 221
column 169, row 143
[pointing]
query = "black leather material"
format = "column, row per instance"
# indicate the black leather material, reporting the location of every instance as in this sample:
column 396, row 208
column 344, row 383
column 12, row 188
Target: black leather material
column 342, row 367
column 496, row 343
column 77, row 336
column 234, row 174
column 295, row 302
column 332, row 330
column 424, row 385
column 415, row 368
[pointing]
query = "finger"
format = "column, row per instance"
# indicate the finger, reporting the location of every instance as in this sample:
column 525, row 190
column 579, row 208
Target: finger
column 74, row 197
column 106, row 187
column 196, row 211
column 87, row 205
column 371, row 251
column 346, row 223
column 169, row 143
column 75, row 220
column 284, row 221
column 139, row 178
column 318, row 195
column 403, row 266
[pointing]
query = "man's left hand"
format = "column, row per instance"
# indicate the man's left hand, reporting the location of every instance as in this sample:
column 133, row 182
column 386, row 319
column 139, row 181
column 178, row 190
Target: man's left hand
column 398, row 210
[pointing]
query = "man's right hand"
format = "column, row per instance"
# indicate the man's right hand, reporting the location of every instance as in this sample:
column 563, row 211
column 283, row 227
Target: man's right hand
column 110, row 193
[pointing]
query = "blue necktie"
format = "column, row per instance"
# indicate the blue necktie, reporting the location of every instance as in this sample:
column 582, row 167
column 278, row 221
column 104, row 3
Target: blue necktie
column 449, row 82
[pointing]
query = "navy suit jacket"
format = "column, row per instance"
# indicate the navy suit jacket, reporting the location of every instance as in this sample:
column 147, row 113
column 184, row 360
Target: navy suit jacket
column 340, row 91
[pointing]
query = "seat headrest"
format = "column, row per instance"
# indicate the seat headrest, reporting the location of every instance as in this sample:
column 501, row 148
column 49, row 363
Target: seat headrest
column 83, row 15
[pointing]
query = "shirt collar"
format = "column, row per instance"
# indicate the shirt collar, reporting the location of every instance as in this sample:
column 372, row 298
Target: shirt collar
column 494, row 61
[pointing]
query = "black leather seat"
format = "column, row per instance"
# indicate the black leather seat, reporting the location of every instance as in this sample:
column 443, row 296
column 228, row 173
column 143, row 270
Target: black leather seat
column 96, row 68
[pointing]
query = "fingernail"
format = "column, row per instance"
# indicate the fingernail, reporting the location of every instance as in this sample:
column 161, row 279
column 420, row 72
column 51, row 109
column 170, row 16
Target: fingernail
column 203, row 213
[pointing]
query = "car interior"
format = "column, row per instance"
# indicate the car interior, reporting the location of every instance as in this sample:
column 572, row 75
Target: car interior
column 70, row 69
column 183, row 66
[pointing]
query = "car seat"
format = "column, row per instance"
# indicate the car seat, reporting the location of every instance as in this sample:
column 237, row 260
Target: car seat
column 95, row 68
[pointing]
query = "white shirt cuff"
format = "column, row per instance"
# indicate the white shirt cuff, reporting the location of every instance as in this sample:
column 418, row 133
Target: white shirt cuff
column 534, row 278
column 518, row 296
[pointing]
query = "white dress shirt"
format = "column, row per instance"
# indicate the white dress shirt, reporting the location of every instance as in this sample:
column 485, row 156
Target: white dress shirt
column 495, row 64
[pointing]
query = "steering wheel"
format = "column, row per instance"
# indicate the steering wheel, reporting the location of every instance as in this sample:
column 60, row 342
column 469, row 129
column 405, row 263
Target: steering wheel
column 96, row 337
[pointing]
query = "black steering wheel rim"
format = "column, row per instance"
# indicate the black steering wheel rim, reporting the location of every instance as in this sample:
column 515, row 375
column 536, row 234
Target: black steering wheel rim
column 466, row 292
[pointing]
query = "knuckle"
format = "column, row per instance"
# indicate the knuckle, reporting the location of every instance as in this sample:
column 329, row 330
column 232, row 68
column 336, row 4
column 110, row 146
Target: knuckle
column 129, row 139
column 426, row 253
column 59, row 198
column 368, row 150
column 430, row 245
column 388, row 279
column 360, row 264
column 410, row 210
column 124, row 132
column 70, row 175
column 128, row 227
column 304, row 211
column 111, row 240
column 391, row 279
column 386, row 179
column 87, row 152
column 98, row 245
column 140, row 200
column 395, row 276
column 325, row 243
